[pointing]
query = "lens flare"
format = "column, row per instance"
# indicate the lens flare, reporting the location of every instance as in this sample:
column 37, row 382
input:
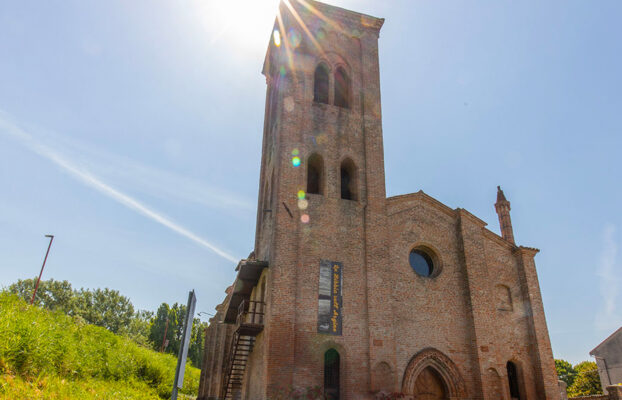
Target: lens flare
column 296, row 161
column 301, row 194
column 277, row 38
column 282, row 71
column 304, row 218
column 303, row 204
column 295, row 152
column 294, row 38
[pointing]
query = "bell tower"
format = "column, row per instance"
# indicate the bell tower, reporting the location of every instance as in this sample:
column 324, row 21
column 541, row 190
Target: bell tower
column 322, row 138
column 322, row 190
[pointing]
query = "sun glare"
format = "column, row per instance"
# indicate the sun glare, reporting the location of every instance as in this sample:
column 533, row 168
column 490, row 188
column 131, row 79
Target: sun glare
column 243, row 26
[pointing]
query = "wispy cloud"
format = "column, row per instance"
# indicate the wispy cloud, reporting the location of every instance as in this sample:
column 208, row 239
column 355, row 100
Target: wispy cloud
column 609, row 275
column 88, row 179
column 148, row 180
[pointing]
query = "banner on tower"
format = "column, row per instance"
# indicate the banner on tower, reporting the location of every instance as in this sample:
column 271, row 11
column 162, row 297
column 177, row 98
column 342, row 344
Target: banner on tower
column 330, row 312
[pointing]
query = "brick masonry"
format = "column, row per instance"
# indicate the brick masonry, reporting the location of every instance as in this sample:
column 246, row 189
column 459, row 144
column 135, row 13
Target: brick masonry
column 481, row 307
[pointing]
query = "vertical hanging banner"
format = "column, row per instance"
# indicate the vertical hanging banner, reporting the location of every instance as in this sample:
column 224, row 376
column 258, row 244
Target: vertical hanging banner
column 330, row 312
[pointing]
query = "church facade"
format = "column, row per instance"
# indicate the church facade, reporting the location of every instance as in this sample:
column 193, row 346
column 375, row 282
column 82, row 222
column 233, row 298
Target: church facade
column 350, row 291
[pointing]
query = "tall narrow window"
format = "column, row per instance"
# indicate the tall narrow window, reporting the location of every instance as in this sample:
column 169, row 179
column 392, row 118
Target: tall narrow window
column 320, row 87
column 315, row 174
column 342, row 88
column 348, row 180
column 331, row 374
column 513, row 380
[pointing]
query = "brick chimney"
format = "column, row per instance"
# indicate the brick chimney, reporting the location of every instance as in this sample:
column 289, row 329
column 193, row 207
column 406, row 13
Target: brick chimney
column 503, row 210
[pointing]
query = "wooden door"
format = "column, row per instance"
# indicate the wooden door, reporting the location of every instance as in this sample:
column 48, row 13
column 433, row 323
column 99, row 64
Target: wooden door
column 429, row 386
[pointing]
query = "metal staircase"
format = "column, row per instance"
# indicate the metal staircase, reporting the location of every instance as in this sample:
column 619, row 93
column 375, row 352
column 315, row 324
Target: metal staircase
column 248, row 325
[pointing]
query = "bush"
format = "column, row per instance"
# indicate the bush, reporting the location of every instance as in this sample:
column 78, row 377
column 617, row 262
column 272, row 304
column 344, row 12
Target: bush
column 38, row 345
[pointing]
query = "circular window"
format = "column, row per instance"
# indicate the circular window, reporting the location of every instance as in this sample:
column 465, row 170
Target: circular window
column 421, row 263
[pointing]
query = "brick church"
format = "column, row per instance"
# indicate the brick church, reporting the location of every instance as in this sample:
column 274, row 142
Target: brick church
column 348, row 290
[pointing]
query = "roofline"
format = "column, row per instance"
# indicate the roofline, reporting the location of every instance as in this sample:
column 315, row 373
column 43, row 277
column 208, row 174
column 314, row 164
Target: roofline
column 378, row 22
column 604, row 341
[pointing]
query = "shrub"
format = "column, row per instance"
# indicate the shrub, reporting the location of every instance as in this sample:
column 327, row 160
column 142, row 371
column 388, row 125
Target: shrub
column 38, row 344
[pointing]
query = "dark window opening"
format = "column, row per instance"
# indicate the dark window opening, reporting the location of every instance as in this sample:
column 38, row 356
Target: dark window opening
column 342, row 88
column 421, row 263
column 320, row 88
column 348, row 180
column 513, row 380
column 315, row 174
column 331, row 374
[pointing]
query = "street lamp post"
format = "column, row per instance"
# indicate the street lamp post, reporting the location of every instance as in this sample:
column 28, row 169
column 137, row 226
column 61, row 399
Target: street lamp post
column 43, row 266
column 164, row 338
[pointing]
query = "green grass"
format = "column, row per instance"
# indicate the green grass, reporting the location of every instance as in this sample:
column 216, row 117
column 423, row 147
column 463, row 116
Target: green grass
column 47, row 355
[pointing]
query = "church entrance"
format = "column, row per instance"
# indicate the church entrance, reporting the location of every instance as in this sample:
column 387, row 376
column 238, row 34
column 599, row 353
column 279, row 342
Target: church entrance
column 431, row 375
column 429, row 386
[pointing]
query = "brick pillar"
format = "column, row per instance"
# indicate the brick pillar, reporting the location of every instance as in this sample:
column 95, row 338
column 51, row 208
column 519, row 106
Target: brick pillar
column 545, row 374
column 483, row 346
column 205, row 370
column 502, row 206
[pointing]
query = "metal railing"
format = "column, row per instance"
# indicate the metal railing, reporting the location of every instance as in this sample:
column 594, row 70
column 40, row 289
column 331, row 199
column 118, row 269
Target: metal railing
column 250, row 312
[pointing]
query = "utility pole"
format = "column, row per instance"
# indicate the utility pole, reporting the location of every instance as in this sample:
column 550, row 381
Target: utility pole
column 43, row 266
column 164, row 338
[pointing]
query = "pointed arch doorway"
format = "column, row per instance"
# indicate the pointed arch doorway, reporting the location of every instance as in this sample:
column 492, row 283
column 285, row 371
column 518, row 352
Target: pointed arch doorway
column 429, row 385
column 431, row 375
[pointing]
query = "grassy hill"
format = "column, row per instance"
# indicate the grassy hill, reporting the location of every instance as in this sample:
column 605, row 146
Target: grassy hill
column 48, row 355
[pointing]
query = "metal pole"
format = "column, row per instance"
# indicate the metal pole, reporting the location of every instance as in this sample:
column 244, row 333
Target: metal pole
column 165, row 331
column 43, row 266
column 183, row 347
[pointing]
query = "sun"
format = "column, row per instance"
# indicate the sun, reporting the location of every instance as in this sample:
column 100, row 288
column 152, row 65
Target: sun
column 243, row 26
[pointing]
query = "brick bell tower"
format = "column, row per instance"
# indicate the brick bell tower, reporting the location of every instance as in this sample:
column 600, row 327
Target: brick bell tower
column 321, row 206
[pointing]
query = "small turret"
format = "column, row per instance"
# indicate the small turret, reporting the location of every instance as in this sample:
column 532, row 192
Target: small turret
column 503, row 210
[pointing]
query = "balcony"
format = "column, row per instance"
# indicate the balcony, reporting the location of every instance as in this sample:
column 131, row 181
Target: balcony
column 249, row 321
column 249, row 272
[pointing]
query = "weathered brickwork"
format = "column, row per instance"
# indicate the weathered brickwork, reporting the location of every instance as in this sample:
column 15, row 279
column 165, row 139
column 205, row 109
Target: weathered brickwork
column 473, row 329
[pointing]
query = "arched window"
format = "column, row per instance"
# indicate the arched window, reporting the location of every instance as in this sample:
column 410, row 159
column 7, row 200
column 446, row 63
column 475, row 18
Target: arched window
column 320, row 86
column 315, row 174
column 342, row 88
column 513, row 380
column 504, row 298
column 348, row 180
column 331, row 374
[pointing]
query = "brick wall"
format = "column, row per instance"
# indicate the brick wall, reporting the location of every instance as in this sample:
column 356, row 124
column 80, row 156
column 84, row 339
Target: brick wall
column 481, row 308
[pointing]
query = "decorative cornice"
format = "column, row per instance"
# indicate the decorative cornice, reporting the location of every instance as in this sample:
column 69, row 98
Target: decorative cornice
column 530, row 251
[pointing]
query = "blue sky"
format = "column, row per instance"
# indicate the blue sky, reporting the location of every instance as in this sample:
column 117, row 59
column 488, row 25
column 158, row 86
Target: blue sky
column 132, row 131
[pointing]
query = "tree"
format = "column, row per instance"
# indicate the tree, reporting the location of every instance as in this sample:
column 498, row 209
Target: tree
column 587, row 381
column 565, row 372
column 176, row 316
column 115, row 312
column 197, row 341
column 139, row 328
column 107, row 308
column 158, row 327
column 52, row 295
